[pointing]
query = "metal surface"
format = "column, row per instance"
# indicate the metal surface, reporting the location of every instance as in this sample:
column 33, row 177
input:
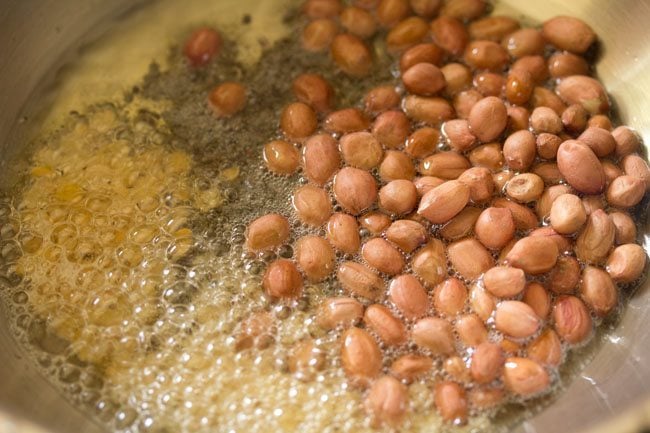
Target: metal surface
column 36, row 37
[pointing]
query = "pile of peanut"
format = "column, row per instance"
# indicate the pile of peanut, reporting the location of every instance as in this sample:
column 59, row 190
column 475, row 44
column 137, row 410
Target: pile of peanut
column 476, row 215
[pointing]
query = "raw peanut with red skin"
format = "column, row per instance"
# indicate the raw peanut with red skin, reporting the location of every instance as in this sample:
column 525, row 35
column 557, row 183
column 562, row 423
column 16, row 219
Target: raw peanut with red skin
column 421, row 53
column 298, row 121
column 489, row 83
column 518, row 118
column 406, row 234
column 568, row 33
column 455, row 367
column 471, row 330
column 519, row 150
column 359, row 22
column 536, row 67
column 567, row 214
column 519, row 88
column 334, row 312
column 523, row 217
column 574, row 118
column 488, row 118
column 544, row 119
column 320, row 158
column 489, row 156
column 464, row 101
column 425, row 184
column 346, row 120
column 388, row 327
column 464, row 10
column 504, row 281
column 390, row 12
column 449, row 297
column 449, row 34
column 227, row 99
column 625, row 228
column 406, row 33
column 321, row 8
column 596, row 239
column 360, row 356
column 313, row 90
column 361, row 150
column 537, row 298
column 458, row 135
column 486, row 55
column 487, row 363
column 408, row 296
column 543, row 97
column 430, row 110
column 461, row 225
column 547, row 145
column 442, row 203
column 380, row 99
column 534, row 254
column 516, row 319
column 469, row 258
column 451, row 402
column 430, row 263
column 354, row 189
column 410, row 367
column 457, row 77
column 425, row 8
column 312, row 205
column 599, row 140
column 510, row 347
column 525, row 377
column 481, row 302
column 360, row 280
column 495, row 227
column 391, row 128
column 422, row 142
column 315, row 257
column 583, row 90
column 434, row 334
column 480, row 183
column 282, row 279
column 256, row 330
column 580, row 167
column 396, row 165
column 398, row 197
column 565, row 276
column 600, row 121
column 564, row 64
column 351, row 55
column 267, row 232
column 524, row 42
column 563, row 244
column 381, row 255
column 598, row 291
column 572, row 320
column 525, row 187
column 375, row 222
column 202, row 46
column 635, row 166
column 387, row 402
column 549, row 172
column 627, row 140
column 625, row 191
column 592, row 203
column 546, row 349
column 281, row 157
column 445, row 165
column 319, row 34
column 545, row 202
column 626, row 263
column 492, row 28
column 343, row 233
column 305, row 359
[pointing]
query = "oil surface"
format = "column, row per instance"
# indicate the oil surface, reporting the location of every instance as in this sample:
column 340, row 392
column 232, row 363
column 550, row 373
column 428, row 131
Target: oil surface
column 122, row 252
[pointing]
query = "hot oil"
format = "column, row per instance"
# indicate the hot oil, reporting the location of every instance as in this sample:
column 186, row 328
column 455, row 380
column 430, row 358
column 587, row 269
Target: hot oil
column 126, row 275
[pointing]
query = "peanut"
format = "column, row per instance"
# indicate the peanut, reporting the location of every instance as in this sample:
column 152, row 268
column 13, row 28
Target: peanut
column 391, row 128
column 360, row 280
column 461, row 225
column 388, row 327
column 313, row 90
column 343, row 233
column 596, row 239
column 346, row 120
column 354, row 189
column 430, row 262
column 583, row 90
column 281, row 157
column 312, row 205
column 580, row 167
column 534, row 254
column 387, row 402
column 320, row 158
column 451, row 402
column 315, row 257
column 567, row 215
column 471, row 330
column 443, row 202
column 537, row 298
column 516, row 319
column 469, row 258
column 381, row 255
column 504, row 282
column 406, row 234
column 572, row 320
column 282, row 279
column 445, row 165
column 487, row 363
column 519, row 150
column 488, row 119
column 434, row 334
column 267, row 232
column 408, row 296
column 568, row 33
column 546, row 349
column 565, row 275
column 360, row 356
column 525, row 377
column 298, row 121
column 410, row 367
column 335, row 312
column 449, row 297
column 626, row 263
column 396, row 165
column 449, row 34
column 495, row 227
column 598, row 291
column 351, row 55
